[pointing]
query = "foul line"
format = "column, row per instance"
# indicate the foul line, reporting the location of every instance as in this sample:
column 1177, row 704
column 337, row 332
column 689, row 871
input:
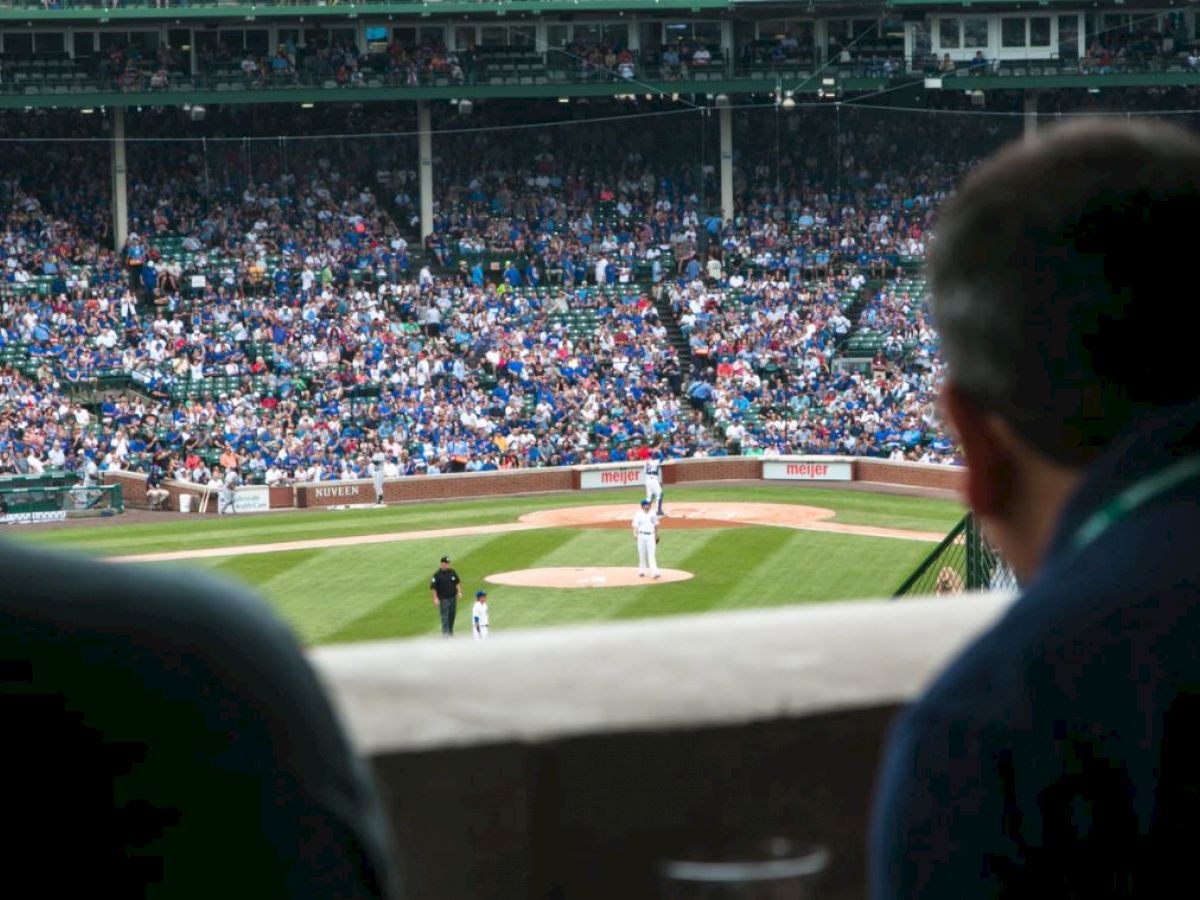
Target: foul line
column 323, row 543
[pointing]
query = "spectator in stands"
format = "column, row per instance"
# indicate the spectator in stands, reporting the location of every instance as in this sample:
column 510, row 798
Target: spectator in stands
column 1056, row 755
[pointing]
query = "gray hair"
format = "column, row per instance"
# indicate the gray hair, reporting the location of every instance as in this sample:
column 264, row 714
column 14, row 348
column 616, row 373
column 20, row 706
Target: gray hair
column 1044, row 284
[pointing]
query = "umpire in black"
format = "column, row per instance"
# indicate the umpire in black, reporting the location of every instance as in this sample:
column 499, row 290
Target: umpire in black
column 446, row 587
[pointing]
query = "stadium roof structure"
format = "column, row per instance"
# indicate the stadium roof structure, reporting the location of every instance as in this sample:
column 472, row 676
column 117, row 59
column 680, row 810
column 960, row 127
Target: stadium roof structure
column 728, row 76
column 262, row 9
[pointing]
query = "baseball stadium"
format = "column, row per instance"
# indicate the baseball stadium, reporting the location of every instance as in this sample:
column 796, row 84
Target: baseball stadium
column 614, row 309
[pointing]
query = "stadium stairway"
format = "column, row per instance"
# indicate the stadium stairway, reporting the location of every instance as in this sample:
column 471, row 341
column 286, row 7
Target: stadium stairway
column 674, row 333
column 856, row 349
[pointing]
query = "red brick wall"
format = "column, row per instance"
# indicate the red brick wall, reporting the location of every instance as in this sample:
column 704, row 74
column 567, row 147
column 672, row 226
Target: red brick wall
column 431, row 487
column 133, row 490
column 721, row 468
column 911, row 474
column 531, row 481
column 133, row 487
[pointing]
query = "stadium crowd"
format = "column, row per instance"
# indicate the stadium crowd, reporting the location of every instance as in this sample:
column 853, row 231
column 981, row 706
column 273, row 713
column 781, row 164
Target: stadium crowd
column 275, row 322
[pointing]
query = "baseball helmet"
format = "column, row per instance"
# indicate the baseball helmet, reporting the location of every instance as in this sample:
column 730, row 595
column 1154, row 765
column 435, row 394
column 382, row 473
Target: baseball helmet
column 645, row 503
column 479, row 594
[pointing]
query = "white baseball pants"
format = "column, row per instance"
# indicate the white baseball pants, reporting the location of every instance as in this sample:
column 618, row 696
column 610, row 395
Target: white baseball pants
column 647, row 554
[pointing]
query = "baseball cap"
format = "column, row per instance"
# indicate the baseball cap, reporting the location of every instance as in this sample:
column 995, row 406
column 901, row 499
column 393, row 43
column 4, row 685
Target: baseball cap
column 445, row 559
column 481, row 594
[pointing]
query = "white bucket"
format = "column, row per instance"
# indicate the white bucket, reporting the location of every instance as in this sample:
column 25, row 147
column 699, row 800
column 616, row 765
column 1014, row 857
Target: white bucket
column 185, row 503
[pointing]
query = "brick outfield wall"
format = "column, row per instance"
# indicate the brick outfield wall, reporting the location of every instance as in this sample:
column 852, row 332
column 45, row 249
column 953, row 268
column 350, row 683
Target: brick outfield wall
column 133, row 489
column 532, row 481
column 909, row 474
column 722, row 468
column 437, row 487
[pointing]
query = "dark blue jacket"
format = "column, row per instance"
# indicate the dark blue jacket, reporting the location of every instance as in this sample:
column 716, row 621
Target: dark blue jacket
column 1058, row 756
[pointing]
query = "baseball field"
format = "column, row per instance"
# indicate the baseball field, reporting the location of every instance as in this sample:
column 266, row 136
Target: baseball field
column 363, row 574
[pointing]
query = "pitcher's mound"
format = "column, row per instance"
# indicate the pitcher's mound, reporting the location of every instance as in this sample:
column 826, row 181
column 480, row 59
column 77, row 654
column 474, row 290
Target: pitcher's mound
column 584, row 577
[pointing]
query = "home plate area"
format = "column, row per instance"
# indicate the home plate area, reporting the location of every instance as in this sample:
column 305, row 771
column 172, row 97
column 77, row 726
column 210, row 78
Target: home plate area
column 584, row 577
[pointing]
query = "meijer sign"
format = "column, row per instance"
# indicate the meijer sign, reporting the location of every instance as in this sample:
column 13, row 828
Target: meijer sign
column 591, row 479
column 806, row 470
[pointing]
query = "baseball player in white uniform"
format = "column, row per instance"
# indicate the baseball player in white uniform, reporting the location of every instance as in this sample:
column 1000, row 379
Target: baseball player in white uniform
column 227, row 493
column 479, row 616
column 653, row 470
column 645, row 530
column 377, row 463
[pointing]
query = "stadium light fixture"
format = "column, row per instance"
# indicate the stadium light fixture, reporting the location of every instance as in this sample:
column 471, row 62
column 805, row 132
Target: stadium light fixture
column 307, row 105
column 564, row 99
column 87, row 111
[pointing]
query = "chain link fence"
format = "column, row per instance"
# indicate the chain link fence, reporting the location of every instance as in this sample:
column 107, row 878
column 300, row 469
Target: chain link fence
column 963, row 561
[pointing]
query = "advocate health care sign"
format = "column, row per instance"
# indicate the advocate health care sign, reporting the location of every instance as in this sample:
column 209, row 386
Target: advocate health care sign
column 807, row 470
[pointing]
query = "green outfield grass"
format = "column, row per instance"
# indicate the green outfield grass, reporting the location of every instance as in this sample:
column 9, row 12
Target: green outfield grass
column 375, row 591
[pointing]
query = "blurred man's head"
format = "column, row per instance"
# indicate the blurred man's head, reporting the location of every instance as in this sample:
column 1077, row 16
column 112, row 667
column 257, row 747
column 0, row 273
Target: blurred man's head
column 1046, row 287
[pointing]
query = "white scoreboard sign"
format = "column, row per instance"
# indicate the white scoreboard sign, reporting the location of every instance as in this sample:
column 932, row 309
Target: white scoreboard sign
column 807, row 470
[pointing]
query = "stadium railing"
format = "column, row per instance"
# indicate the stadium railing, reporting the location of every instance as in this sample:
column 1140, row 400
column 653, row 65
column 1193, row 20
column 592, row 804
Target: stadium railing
column 56, row 502
column 964, row 561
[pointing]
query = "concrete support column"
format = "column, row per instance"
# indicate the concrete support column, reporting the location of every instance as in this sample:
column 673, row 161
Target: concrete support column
column 725, row 114
column 1031, row 114
column 425, row 167
column 820, row 40
column 120, row 184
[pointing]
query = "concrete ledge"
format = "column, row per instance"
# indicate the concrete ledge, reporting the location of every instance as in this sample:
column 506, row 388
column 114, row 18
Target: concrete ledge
column 567, row 762
column 681, row 671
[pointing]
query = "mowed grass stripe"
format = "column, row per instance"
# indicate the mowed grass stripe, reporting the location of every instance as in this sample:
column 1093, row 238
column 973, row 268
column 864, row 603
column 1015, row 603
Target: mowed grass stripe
column 314, row 591
column 828, row 567
column 852, row 507
column 730, row 563
column 119, row 538
column 533, row 607
column 382, row 591
column 408, row 610
column 590, row 547
column 258, row 569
